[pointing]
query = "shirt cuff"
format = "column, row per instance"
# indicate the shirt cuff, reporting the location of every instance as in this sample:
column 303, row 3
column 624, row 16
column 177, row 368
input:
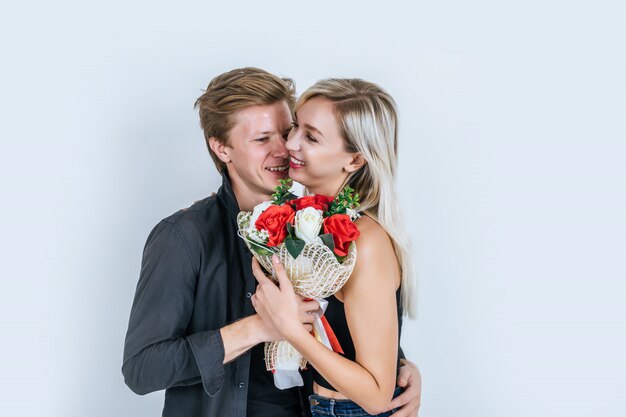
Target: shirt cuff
column 208, row 350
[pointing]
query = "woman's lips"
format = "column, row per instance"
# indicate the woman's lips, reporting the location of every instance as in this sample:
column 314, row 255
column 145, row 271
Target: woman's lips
column 295, row 163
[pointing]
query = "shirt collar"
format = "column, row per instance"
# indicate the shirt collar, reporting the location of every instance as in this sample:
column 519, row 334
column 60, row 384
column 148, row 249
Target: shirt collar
column 227, row 196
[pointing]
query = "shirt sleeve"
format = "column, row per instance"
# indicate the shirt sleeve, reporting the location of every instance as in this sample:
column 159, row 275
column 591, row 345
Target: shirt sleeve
column 158, row 354
column 401, row 353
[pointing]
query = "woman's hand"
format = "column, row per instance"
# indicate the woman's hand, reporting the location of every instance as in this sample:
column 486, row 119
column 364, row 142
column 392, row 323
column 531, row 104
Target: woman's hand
column 280, row 307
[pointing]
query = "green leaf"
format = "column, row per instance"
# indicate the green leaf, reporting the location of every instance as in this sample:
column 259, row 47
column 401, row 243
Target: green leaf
column 294, row 246
column 290, row 230
column 281, row 192
column 328, row 240
column 262, row 251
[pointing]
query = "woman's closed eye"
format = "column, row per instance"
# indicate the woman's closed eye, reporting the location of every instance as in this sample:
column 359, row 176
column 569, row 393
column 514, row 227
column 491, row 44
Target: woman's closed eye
column 310, row 138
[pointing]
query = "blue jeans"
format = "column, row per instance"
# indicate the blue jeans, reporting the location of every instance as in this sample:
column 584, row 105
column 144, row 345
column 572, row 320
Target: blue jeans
column 326, row 407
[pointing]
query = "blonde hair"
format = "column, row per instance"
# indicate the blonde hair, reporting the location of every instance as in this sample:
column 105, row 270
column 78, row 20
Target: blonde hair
column 235, row 90
column 368, row 122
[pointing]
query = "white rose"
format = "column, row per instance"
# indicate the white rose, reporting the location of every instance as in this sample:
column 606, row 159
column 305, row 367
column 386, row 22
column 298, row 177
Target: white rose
column 258, row 209
column 308, row 224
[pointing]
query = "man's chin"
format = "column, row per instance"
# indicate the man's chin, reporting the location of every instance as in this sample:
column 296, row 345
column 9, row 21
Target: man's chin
column 271, row 179
column 274, row 176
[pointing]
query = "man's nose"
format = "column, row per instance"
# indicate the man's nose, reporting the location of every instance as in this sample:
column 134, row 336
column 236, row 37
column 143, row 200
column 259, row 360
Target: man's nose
column 279, row 149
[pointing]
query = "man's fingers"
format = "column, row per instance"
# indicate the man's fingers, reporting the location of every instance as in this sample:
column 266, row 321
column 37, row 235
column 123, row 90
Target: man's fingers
column 408, row 402
column 307, row 318
column 405, row 412
column 308, row 305
column 404, row 373
column 311, row 306
column 400, row 400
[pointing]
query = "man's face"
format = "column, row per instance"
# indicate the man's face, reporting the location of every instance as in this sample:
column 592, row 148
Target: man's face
column 257, row 157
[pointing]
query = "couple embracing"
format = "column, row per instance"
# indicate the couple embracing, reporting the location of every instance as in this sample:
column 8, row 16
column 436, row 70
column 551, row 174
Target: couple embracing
column 203, row 306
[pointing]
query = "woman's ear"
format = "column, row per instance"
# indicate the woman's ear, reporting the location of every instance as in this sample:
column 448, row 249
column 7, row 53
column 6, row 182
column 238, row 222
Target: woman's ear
column 357, row 162
column 220, row 149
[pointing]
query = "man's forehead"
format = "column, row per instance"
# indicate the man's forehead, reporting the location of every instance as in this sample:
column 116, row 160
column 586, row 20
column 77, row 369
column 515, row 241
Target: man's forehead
column 263, row 119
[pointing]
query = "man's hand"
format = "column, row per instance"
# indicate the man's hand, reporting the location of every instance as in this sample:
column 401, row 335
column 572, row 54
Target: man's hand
column 410, row 379
column 241, row 335
column 306, row 310
column 264, row 331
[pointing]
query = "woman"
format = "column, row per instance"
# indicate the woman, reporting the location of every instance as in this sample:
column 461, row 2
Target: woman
column 345, row 133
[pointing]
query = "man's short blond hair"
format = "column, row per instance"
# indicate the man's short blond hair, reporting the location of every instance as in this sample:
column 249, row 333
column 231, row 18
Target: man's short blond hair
column 233, row 91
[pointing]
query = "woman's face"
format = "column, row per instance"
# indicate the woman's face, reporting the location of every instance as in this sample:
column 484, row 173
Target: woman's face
column 318, row 159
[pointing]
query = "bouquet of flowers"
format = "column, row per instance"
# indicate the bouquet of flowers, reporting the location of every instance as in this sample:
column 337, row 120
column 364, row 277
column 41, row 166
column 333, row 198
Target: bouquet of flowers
column 313, row 236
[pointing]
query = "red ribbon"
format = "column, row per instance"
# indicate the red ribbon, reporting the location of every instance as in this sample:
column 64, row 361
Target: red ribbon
column 334, row 343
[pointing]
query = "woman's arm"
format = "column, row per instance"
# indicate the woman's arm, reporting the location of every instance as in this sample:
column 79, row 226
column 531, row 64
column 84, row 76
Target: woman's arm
column 371, row 312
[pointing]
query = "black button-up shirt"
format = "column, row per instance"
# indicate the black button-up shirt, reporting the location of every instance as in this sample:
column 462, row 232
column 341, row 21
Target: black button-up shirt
column 195, row 278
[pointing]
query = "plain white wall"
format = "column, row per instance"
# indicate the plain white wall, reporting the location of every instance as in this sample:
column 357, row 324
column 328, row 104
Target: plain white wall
column 512, row 172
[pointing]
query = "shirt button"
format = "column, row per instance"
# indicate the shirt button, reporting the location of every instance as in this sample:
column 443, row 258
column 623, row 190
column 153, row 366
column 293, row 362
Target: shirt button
column 242, row 384
column 248, row 294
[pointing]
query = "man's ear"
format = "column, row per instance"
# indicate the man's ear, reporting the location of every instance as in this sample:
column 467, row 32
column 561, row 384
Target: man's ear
column 357, row 162
column 220, row 149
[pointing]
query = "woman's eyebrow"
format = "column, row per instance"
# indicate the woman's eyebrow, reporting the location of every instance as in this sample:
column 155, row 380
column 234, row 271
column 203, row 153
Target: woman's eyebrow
column 313, row 128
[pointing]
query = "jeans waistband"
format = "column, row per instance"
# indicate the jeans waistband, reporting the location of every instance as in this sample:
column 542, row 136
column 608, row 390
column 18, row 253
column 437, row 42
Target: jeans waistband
column 323, row 406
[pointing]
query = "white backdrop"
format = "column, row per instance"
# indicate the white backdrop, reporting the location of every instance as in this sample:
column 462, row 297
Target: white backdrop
column 512, row 171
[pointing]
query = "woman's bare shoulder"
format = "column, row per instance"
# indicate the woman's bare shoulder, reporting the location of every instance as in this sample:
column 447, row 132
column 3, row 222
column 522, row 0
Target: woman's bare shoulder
column 376, row 256
column 373, row 244
column 372, row 234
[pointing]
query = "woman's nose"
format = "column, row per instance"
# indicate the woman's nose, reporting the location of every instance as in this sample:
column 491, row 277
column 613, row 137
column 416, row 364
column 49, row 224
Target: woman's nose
column 293, row 141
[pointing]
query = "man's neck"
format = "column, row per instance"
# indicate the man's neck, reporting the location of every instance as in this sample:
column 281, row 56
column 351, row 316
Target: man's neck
column 246, row 200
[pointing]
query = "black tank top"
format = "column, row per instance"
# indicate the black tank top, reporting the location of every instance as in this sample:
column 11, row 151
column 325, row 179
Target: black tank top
column 336, row 317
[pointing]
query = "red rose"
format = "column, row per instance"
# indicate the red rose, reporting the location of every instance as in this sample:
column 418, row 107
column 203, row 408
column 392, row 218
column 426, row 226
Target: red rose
column 317, row 201
column 274, row 219
column 343, row 230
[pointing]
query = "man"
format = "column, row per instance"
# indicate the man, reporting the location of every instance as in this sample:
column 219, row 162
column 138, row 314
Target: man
column 192, row 329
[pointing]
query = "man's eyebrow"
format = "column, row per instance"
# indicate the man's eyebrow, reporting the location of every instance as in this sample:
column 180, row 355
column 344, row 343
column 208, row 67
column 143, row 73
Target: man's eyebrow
column 263, row 133
column 271, row 132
